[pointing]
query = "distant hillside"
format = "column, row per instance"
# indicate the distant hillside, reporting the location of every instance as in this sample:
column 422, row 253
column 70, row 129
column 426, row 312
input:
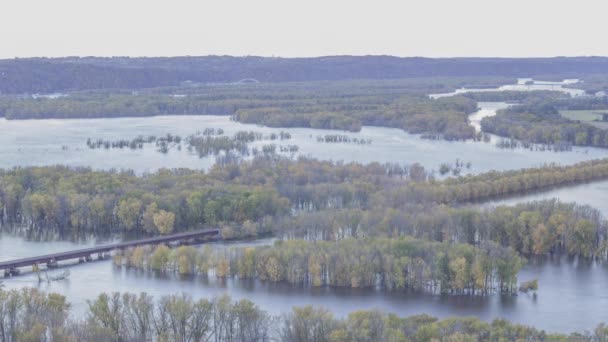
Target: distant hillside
column 48, row 75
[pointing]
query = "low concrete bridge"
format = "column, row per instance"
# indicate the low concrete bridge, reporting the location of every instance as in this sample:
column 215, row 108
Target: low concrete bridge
column 51, row 260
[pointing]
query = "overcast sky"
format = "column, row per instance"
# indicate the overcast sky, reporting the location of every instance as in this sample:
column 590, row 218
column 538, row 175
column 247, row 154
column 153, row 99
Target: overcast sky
column 434, row 28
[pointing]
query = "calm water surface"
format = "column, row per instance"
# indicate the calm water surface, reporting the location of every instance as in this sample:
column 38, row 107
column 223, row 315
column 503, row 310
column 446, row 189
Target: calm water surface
column 572, row 293
column 594, row 194
column 63, row 141
column 523, row 84
column 51, row 142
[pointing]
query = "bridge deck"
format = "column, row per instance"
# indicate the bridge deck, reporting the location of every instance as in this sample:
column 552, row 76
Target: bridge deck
column 79, row 253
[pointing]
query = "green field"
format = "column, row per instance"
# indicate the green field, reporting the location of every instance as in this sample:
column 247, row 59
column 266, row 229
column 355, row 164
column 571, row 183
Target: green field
column 593, row 116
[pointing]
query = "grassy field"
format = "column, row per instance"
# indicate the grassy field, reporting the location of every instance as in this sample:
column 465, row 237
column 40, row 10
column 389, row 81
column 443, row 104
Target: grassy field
column 593, row 117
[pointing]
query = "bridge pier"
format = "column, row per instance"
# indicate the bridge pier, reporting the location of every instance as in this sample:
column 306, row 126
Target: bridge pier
column 9, row 272
column 88, row 258
column 52, row 264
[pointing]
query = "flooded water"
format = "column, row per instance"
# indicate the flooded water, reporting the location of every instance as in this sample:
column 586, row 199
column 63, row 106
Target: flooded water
column 572, row 293
column 486, row 109
column 594, row 194
column 63, row 141
column 523, row 84
column 51, row 142
column 567, row 288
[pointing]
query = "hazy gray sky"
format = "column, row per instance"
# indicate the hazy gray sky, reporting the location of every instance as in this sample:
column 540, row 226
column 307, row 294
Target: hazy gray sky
column 303, row 28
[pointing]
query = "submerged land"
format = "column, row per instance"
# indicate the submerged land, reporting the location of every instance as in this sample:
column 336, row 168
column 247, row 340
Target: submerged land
column 394, row 189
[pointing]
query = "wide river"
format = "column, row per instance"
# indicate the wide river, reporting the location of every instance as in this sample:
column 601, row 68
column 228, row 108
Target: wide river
column 51, row 142
column 572, row 293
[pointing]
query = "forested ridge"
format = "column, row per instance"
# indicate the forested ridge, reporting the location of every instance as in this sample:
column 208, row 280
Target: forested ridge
column 50, row 75
column 28, row 315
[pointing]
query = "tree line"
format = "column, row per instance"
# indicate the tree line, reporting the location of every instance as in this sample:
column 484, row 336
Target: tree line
column 328, row 105
column 534, row 228
column 28, row 315
column 50, row 75
column 540, row 122
column 256, row 196
column 398, row 263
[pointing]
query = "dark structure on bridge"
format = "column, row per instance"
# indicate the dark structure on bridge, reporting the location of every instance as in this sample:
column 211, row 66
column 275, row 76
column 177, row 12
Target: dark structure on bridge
column 51, row 260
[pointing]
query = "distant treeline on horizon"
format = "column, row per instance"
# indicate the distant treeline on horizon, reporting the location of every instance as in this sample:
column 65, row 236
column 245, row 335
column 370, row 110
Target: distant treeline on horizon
column 50, row 75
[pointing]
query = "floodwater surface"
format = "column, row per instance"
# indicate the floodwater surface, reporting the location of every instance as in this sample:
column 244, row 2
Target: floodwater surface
column 571, row 295
column 63, row 141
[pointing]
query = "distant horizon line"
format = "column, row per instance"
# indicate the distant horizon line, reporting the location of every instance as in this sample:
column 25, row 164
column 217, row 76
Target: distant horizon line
column 302, row 57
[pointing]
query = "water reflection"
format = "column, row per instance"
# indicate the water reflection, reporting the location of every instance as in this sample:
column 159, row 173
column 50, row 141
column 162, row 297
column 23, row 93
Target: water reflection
column 593, row 194
column 566, row 285
column 40, row 142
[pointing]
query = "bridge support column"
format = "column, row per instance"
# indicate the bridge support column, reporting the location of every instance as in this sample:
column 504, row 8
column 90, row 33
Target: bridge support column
column 14, row 271
column 52, row 264
column 81, row 260
column 7, row 273
column 88, row 258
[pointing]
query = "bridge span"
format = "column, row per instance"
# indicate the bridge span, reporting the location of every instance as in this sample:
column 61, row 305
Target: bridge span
column 51, row 260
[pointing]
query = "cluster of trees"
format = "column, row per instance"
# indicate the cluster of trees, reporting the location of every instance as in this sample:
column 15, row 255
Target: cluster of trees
column 211, row 141
column 446, row 117
column 72, row 201
column 400, row 263
column 261, row 192
column 28, row 315
column 474, row 188
column 530, row 229
column 341, row 138
column 583, row 103
column 455, row 169
column 118, row 105
column 334, row 105
column 592, row 84
column 213, row 144
column 162, row 142
column 540, row 122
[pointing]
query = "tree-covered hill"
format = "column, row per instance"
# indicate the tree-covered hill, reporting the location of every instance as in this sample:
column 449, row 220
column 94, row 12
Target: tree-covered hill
column 48, row 75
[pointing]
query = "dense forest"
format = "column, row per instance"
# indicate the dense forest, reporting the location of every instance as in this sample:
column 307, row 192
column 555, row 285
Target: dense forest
column 51, row 75
column 28, row 315
column 534, row 228
column 401, row 263
column 539, row 121
column 592, row 84
column 324, row 105
column 306, row 198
